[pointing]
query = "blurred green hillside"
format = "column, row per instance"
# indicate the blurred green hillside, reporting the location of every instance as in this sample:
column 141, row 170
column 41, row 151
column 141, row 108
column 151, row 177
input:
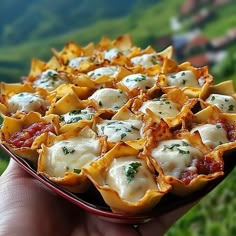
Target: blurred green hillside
column 45, row 25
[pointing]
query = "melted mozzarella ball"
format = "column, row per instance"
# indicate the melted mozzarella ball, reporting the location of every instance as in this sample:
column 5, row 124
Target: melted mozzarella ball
column 162, row 107
column 119, row 130
column 111, row 71
column 49, row 80
column 146, row 60
column 225, row 103
column 70, row 155
column 176, row 156
column 183, row 79
column 212, row 135
column 26, row 102
column 109, row 98
column 130, row 177
column 77, row 115
column 111, row 53
column 75, row 62
column 138, row 81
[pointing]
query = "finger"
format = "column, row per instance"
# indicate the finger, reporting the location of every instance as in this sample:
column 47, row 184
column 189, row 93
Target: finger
column 14, row 170
column 159, row 226
column 94, row 225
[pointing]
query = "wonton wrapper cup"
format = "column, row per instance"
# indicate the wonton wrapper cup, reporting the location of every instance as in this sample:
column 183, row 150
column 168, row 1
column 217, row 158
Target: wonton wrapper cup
column 12, row 125
column 124, row 114
column 97, row 172
column 71, row 181
column 162, row 132
column 68, row 103
column 8, row 90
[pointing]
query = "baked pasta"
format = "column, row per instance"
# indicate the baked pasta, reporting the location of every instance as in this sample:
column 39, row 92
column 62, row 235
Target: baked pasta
column 131, row 123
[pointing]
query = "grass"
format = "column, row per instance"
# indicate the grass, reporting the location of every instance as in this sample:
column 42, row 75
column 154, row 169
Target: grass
column 3, row 165
column 214, row 215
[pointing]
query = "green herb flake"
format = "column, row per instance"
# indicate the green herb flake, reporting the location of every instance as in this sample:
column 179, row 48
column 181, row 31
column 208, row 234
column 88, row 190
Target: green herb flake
column 130, row 170
column 100, row 103
column 135, row 128
column 74, row 120
column 171, row 147
column 182, row 151
column 231, row 107
column 218, row 126
column 67, row 151
column 77, row 171
column 185, row 143
column 74, row 112
column 123, row 135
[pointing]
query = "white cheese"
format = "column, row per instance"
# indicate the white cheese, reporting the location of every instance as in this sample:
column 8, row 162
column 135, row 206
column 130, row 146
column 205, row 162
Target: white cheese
column 162, row 107
column 212, row 135
column 75, row 62
column 119, row 130
column 111, row 71
column 49, row 80
column 175, row 156
column 138, row 81
column 109, row 98
column 146, row 60
column 225, row 103
column 77, row 115
column 112, row 53
column 130, row 187
column 26, row 102
column 183, row 79
column 68, row 155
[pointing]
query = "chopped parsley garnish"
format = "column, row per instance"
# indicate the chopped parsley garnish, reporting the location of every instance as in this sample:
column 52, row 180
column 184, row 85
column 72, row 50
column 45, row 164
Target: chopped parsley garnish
column 218, row 126
column 171, row 146
column 100, row 103
column 231, row 107
column 135, row 128
column 67, row 150
column 213, row 98
column 154, row 60
column 74, row 120
column 177, row 146
column 77, row 171
column 75, row 112
column 185, row 143
column 182, row 151
column 130, row 170
column 123, row 135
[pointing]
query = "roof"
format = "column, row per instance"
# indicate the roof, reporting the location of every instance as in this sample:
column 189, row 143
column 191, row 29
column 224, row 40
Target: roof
column 199, row 60
column 188, row 6
column 198, row 41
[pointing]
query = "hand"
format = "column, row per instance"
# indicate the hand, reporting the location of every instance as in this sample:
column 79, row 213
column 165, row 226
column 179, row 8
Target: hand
column 28, row 208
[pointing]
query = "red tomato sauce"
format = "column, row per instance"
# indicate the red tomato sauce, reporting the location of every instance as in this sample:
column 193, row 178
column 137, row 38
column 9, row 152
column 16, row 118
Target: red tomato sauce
column 25, row 137
column 207, row 165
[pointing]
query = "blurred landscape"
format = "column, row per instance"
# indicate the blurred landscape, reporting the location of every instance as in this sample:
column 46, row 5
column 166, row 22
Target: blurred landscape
column 201, row 31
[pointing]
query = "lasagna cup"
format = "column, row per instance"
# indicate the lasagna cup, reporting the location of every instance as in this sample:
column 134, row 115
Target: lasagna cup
column 24, row 135
column 126, row 182
column 64, row 158
column 124, row 126
column 186, row 163
column 22, row 98
column 214, row 127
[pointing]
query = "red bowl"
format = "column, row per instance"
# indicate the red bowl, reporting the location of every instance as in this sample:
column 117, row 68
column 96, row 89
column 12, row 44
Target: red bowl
column 92, row 201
